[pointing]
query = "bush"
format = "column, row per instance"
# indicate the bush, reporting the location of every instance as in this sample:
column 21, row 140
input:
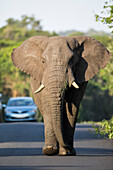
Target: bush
column 105, row 128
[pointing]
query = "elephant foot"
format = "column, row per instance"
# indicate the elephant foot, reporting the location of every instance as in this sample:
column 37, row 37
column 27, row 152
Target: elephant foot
column 66, row 152
column 50, row 150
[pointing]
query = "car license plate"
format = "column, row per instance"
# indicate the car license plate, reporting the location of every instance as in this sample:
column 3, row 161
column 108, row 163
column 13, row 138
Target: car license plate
column 20, row 116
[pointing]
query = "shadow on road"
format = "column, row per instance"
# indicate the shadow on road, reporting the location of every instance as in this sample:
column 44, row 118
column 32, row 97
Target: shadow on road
column 43, row 167
column 87, row 152
column 22, row 132
column 94, row 152
column 20, row 152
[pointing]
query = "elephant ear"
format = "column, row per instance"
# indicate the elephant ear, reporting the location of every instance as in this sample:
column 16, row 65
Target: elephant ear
column 94, row 56
column 28, row 56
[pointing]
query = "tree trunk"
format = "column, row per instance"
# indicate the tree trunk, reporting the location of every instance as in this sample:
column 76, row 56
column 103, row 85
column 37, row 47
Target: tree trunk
column 15, row 93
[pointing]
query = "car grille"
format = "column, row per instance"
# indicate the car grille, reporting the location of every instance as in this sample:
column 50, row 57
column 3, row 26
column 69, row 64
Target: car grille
column 19, row 118
column 18, row 112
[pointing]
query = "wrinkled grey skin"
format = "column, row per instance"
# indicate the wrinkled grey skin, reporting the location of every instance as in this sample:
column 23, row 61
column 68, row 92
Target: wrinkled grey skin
column 56, row 63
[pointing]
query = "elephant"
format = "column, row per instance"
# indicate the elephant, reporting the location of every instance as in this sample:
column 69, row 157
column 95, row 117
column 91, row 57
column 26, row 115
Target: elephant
column 60, row 68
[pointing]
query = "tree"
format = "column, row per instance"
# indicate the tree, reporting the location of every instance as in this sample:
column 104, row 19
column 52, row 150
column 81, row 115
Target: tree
column 107, row 14
column 12, row 81
column 107, row 73
column 20, row 30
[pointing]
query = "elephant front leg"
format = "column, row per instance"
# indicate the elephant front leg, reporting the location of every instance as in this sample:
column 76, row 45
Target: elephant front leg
column 51, row 144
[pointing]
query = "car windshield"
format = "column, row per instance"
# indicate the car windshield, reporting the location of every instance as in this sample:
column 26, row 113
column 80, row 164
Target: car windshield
column 20, row 102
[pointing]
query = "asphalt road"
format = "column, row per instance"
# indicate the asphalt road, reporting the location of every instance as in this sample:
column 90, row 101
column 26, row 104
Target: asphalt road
column 21, row 149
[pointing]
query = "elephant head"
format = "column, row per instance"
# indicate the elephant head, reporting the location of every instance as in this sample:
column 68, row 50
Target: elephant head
column 57, row 64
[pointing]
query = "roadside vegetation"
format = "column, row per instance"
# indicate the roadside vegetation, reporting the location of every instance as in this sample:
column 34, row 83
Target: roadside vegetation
column 105, row 128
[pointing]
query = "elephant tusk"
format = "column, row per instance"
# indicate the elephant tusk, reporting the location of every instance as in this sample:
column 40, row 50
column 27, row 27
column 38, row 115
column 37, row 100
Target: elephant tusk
column 39, row 89
column 75, row 85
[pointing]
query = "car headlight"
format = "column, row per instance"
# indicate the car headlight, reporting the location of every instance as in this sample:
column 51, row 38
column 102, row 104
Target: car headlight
column 33, row 111
column 8, row 112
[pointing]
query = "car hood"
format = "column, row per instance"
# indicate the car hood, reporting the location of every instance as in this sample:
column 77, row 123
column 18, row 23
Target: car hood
column 20, row 108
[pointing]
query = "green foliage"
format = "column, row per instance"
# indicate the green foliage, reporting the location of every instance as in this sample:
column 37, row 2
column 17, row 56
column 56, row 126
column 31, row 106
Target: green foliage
column 104, row 39
column 76, row 33
column 12, row 81
column 107, row 14
column 10, row 77
column 6, row 43
column 96, row 103
column 105, row 128
column 107, row 73
column 20, row 30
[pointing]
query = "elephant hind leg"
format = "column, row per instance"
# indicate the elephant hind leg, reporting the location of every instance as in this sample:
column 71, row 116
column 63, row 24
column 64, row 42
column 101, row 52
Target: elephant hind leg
column 73, row 98
column 69, row 116
column 64, row 152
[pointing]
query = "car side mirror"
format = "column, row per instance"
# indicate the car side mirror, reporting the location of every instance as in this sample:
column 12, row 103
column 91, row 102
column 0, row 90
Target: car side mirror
column 4, row 105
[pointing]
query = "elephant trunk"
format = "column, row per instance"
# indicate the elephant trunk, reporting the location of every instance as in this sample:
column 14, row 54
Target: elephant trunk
column 56, row 89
